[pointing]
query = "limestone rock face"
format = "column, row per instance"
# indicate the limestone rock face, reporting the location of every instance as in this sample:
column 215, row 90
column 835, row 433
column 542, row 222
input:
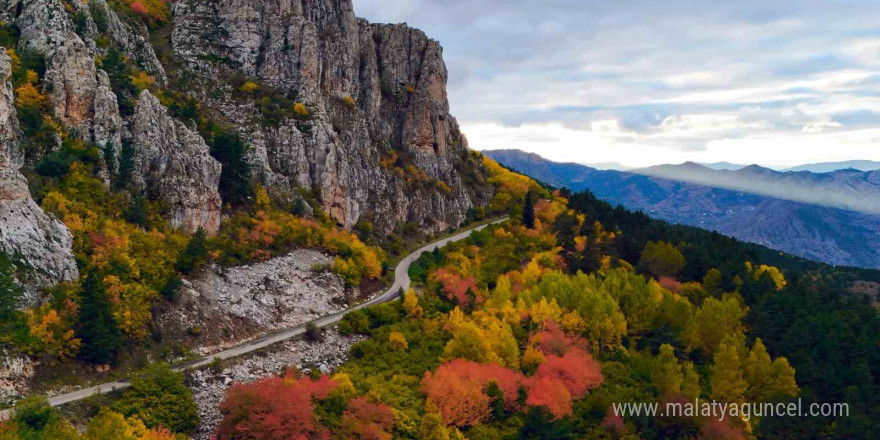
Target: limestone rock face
column 373, row 91
column 30, row 236
column 79, row 94
column 378, row 143
column 15, row 371
column 173, row 163
column 108, row 126
column 70, row 70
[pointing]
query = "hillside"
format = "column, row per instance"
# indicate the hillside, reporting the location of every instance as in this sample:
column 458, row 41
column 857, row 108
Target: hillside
column 822, row 233
column 243, row 220
column 180, row 176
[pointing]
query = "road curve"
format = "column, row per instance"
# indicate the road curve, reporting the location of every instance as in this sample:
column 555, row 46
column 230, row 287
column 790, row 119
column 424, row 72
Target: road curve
column 401, row 281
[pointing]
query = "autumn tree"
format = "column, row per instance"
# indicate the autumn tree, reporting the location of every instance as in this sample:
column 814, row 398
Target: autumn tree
column 666, row 374
column 458, row 389
column 432, row 426
column 690, row 386
column 715, row 319
column 397, row 340
column 485, row 339
column 51, row 333
column 728, row 383
column 273, row 409
column 713, row 283
column 365, row 420
column 661, row 259
column 770, row 273
column 550, row 393
column 411, row 304
column 109, row 425
column 576, row 370
column 767, row 379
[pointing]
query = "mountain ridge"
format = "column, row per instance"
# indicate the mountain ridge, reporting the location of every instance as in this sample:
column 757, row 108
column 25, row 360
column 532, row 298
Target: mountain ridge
column 827, row 234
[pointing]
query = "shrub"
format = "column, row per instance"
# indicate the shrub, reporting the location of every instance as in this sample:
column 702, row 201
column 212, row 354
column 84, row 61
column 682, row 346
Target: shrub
column 158, row 397
column 249, row 87
column 398, row 341
column 313, row 332
column 142, row 81
column 355, row 322
column 300, row 110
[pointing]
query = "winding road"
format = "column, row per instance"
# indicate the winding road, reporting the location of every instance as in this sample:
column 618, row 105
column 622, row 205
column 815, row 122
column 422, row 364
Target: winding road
column 401, row 281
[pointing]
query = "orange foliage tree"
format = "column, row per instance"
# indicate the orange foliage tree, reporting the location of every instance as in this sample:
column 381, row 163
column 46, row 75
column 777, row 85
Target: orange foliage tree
column 576, row 370
column 458, row 389
column 365, row 420
column 276, row 408
column 456, row 287
column 550, row 393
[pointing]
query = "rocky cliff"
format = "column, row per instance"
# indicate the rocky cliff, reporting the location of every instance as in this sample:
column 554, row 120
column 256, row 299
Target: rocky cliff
column 173, row 163
column 373, row 92
column 361, row 114
column 31, row 237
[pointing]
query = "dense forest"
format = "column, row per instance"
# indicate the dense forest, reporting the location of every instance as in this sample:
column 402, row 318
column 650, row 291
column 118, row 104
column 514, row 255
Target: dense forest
column 533, row 329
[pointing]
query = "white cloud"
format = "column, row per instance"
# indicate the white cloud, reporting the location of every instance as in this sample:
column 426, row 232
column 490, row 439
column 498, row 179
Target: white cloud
column 563, row 144
column 644, row 82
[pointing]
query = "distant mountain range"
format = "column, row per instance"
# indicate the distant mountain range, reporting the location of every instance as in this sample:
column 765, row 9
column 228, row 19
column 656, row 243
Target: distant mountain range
column 827, row 167
column 846, row 189
column 824, row 233
column 724, row 166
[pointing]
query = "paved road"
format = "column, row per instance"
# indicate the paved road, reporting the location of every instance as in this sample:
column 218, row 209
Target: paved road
column 401, row 281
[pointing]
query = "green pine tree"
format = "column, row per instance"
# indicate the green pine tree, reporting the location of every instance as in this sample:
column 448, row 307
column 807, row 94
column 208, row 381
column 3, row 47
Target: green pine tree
column 496, row 399
column 97, row 328
column 528, row 214
column 194, row 255
column 10, row 290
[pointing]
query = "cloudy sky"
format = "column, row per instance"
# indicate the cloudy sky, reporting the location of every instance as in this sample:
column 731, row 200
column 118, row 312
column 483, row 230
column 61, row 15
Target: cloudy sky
column 778, row 83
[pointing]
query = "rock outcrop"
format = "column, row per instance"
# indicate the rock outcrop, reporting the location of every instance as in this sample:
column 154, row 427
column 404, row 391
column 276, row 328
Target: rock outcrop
column 229, row 305
column 173, row 163
column 30, row 236
column 15, row 371
column 378, row 142
column 373, row 92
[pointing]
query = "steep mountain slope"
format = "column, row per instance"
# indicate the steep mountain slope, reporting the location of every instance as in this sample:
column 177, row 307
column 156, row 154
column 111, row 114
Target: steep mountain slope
column 826, row 234
column 375, row 98
column 325, row 107
column 34, row 240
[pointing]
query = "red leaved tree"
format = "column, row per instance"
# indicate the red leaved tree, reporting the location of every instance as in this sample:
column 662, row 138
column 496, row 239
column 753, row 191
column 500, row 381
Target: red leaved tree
column 576, row 370
column 456, row 287
column 718, row 430
column 458, row 390
column 140, row 9
column 365, row 420
column 550, row 393
column 553, row 341
column 276, row 408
